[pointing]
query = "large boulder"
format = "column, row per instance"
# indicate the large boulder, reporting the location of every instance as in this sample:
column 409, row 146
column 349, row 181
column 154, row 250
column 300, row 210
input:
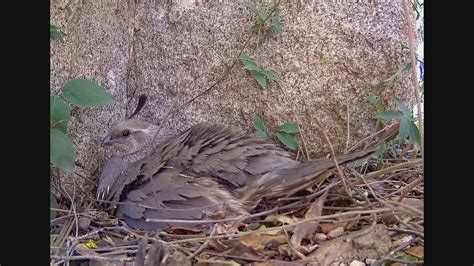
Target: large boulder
column 329, row 57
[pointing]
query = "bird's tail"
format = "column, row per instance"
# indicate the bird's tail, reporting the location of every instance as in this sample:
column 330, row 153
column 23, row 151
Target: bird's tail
column 287, row 181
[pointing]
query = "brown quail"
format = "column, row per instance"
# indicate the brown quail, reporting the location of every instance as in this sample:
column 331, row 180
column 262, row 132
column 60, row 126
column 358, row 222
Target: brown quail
column 205, row 170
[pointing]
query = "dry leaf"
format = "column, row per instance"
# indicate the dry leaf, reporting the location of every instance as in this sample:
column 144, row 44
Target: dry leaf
column 417, row 251
column 215, row 262
column 402, row 240
column 354, row 246
column 320, row 237
column 307, row 228
column 414, row 202
column 82, row 249
column 284, row 249
column 224, row 229
column 258, row 241
column 107, row 222
column 84, row 223
column 282, row 218
column 326, row 228
column 346, row 223
column 336, row 232
column 109, row 240
column 183, row 231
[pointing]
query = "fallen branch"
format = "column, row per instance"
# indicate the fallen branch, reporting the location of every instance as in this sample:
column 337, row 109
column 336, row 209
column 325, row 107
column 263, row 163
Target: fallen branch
column 90, row 257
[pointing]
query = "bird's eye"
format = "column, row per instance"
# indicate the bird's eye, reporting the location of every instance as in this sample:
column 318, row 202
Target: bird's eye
column 125, row 132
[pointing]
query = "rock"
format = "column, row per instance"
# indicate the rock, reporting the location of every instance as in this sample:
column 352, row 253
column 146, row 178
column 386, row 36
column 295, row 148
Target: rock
column 329, row 57
column 356, row 263
column 358, row 245
column 320, row 237
column 83, row 223
column 336, row 232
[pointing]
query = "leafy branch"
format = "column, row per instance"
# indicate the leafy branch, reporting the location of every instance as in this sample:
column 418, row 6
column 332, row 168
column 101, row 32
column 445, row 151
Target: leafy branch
column 393, row 78
column 55, row 33
column 285, row 132
column 261, row 75
column 81, row 93
column 408, row 127
column 268, row 18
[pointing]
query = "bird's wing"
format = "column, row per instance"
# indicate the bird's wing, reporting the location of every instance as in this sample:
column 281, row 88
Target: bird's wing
column 226, row 153
column 169, row 194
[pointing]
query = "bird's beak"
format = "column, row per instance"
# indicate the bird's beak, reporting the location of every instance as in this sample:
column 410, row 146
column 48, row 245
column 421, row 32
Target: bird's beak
column 106, row 141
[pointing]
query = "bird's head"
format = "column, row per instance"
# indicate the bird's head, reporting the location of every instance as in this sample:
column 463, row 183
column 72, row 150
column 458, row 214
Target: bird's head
column 129, row 136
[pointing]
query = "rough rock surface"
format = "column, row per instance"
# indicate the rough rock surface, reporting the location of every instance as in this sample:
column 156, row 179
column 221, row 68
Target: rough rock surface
column 329, row 57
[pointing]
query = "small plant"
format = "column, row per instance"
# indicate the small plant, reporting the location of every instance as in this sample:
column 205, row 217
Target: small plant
column 81, row 93
column 53, row 204
column 285, row 132
column 394, row 78
column 55, row 33
column 408, row 127
column 261, row 129
column 418, row 6
column 261, row 75
column 269, row 26
column 377, row 99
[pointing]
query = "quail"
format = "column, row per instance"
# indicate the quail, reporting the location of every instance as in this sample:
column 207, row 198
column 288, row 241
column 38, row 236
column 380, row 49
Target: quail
column 206, row 170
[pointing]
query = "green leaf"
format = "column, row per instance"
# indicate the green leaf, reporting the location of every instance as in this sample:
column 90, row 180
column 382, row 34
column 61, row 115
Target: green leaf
column 358, row 162
column 270, row 74
column 406, row 257
column 373, row 99
column 52, row 204
column 86, row 93
column 91, row 244
column 380, row 150
column 414, row 133
column 246, row 59
column 404, row 46
column 258, row 123
column 405, row 110
column 276, row 23
column 404, row 129
column 392, row 79
column 261, row 79
column 289, row 128
column 389, row 114
column 261, row 134
column 406, row 67
column 251, row 6
column 54, row 33
column 377, row 155
column 288, row 140
column 262, row 12
column 59, row 111
column 253, row 67
column 256, row 26
column 62, row 150
column 382, row 86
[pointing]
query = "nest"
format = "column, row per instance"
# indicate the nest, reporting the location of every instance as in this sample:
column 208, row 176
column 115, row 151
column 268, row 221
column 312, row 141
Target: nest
column 371, row 212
